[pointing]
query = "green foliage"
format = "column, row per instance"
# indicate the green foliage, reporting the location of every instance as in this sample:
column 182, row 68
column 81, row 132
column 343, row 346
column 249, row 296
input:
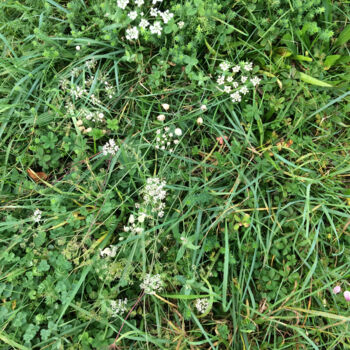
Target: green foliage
column 256, row 213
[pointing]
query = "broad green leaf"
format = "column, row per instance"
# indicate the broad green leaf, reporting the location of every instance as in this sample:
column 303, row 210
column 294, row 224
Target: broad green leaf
column 330, row 61
column 313, row 81
column 344, row 36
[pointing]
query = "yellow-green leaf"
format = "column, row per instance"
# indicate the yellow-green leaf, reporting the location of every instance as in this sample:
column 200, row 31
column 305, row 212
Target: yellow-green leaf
column 330, row 61
column 344, row 36
column 303, row 58
column 313, row 81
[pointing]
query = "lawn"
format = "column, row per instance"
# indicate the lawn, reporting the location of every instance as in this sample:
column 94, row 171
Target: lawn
column 174, row 174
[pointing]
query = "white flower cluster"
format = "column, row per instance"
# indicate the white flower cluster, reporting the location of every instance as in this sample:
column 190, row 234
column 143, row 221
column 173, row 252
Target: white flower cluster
column 110, row 148
column 229, row 82
column 118, row 307
column 136, row 13
column 93, row 116
column 201, row 305
column 37, row 215
column 109, row 251
column 134, row 224
column 167, row 138
column 154, row 195
column 153, row 202
column 152, row 284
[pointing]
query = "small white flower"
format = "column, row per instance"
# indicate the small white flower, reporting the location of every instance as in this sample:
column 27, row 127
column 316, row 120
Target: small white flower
column 143, row 23
column 132, row 15
column 181, row 24
column 230, row 79
column 248, row 66
column 77, row 48
column 244, row 78
column 131, row 219
column 224, row 66
column 221, row 80
column 122, row 3
column 178, row 132
column 199, row 120
column 154, row 12
column 37, row 215
column 110, row 252
column 244, row 90
column 165, row 106
column 132, row 33
column 118, row 307
column 255, row 81
column 156, row 28
column 236, row 97
column 110, row 148
column 236, row 69
column 227, row 89
column 235, row 84
column 176, row 142
column 161, row 118
column 139, row 2
column 141, row 218
column 204, row 108
column 155, row 1
column 202, row 305
column 151, row 284
column 166, row 16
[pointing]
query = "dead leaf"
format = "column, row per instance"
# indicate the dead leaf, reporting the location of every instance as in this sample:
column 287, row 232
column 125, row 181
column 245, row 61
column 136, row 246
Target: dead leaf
column 37, row 176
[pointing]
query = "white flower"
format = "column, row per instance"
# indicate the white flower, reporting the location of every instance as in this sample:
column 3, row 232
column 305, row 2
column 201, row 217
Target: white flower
column 151, row 284
column 224, row 66
column 202, row 305
column 230, row 79
column 122, row 3
column 132, row 15
column 166, row 16
column 118, row 307
column 255, row 81
column 235, row 84
column 227, row 89
column 141, row 218
column 165, row 106
column 178, row 132
column 161, row 118
column 181, row 24
column 200, row 121
column 221, row 80
column 236, row 69
column 204, row 108
column 244, row 90
column 236, row 97
column 131, row 219
column 132, row 33
column 154, row 12
column 139, row 2
column 37, row 215
column 110, row 148
column 248, row 66
column 143, row 23
column 77, row 48
column 155, row 1
column 156, row 28
column 243, row 79
column 110, row 252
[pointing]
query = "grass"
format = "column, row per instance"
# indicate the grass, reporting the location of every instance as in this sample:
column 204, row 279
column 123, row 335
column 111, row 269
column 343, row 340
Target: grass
column 256, row 217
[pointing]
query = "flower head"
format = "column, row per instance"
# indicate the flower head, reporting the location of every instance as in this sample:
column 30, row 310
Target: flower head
column 37, row 215
column 118, row 306
column 178, row 132
column 224, row 66
column 110, row 148
column 202, row 305
column 156, row 28
column 132, row 33
column 122, row 3
column 151, row 284
column 347, row 295
column 336, row 289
